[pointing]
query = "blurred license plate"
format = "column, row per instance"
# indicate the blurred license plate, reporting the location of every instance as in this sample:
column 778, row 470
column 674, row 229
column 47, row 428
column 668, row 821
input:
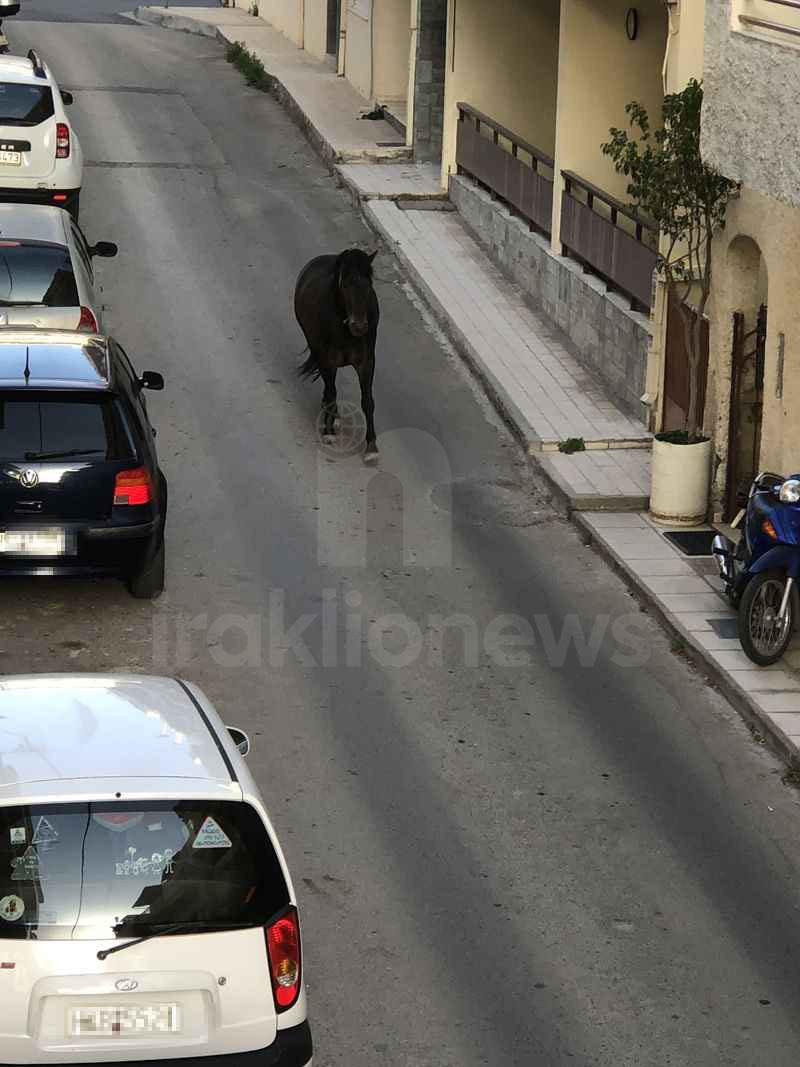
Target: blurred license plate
column 11, row 159
column 118, row 1021
column 30, row 543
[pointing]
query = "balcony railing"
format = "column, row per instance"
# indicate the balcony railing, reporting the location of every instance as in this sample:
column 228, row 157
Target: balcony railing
column 612, row 241
column 507, row 165
column 770, row 23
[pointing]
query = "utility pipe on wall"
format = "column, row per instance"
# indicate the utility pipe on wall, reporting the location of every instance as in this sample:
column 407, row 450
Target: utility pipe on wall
column 672, row 31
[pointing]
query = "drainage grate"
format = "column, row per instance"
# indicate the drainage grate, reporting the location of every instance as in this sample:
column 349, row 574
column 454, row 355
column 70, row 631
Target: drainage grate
column 724, row 627
column 692, row 542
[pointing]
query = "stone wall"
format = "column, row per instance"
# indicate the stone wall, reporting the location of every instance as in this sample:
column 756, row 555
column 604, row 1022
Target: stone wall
column 751, row 100
column 429, row 80
column 608, row 338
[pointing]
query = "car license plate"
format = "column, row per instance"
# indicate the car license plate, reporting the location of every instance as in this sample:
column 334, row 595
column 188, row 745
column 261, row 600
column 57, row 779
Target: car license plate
column 11, row 159
column 33, row 543
column 111, row 1020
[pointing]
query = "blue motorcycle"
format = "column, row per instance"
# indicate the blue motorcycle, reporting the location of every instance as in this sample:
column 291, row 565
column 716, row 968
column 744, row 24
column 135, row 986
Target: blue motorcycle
column 761, row 572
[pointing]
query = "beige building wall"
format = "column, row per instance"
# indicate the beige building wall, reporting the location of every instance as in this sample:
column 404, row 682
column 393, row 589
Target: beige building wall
column 315, row 29
column 378, row 48
column 742, row 279
column 684, row 54
column 285, row 15
column 502, row 58
column 599, row 72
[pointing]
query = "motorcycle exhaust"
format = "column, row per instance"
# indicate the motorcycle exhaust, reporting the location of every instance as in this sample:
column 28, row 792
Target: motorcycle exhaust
column 722, row 550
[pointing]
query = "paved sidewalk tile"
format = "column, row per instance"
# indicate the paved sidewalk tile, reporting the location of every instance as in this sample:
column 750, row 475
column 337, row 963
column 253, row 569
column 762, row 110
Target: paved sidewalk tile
column 755, row 680
column 779, row 703
column 394, row 181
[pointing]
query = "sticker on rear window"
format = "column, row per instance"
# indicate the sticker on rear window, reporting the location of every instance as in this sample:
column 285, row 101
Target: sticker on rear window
column 19, row 835
column 45, row 833
column 134, row 866
column 211, row 835
column 26, row 866
column 12, row 908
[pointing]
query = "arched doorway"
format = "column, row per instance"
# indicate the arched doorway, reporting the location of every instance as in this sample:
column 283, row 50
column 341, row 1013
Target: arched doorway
column 749, row 287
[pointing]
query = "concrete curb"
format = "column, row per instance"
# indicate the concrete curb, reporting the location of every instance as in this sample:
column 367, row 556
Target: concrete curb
column 739, row 698
column 277, row 89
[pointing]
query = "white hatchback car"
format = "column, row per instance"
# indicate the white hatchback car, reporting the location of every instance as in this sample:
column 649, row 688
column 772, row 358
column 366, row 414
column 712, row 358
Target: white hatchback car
column 41, row 160
column 46, row 270
column 146, row 910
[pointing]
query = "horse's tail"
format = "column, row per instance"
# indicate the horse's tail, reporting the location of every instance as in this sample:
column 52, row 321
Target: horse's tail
column 309, row 368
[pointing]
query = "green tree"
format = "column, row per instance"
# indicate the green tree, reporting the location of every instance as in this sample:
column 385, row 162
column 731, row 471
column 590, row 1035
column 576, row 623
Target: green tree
column 687, row 199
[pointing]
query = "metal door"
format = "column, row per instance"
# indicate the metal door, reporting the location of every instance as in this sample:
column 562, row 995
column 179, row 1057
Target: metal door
column 746, row 408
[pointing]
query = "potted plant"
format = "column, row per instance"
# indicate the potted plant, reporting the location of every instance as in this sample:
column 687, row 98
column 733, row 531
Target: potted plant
column 687, row 199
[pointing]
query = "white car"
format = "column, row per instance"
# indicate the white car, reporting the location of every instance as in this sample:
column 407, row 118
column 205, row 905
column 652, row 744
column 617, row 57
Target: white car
column 46, row 270
column 146, row 910
column 41, row 160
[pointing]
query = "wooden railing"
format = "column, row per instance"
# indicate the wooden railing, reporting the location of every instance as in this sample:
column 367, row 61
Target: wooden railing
column 495, row 157
column 625, row 256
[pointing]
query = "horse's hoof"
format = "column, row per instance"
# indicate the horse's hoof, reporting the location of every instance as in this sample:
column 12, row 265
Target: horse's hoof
column 371, row 456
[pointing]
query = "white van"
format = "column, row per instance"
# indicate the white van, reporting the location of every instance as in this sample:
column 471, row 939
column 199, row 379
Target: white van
column 146, row 910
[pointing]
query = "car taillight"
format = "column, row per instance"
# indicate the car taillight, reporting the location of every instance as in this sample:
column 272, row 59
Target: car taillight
column 62, row 140
column 132, row 487
column 88, row 321
column 283, row 948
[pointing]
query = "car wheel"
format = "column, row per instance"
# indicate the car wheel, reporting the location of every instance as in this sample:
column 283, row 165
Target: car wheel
column 148, row 583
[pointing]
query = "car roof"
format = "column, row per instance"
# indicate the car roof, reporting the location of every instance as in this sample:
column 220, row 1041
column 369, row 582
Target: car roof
column 34, row 222
column 53, row 359
column 59, row 732
column 20, row 69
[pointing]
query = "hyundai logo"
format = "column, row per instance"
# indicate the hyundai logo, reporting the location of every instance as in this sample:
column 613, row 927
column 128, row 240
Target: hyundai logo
column 126, row 985
column 29, row 479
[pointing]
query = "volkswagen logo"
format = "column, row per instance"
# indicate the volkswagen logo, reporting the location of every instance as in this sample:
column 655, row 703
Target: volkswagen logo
column 126, row 985
column 29, row 479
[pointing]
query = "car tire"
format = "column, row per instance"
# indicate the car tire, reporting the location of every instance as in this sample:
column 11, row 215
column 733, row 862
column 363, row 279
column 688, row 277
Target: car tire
column 148, row 583
column 751, row 603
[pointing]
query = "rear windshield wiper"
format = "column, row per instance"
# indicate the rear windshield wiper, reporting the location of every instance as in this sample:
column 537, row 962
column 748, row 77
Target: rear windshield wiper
column 64, row 455
column 176, row 928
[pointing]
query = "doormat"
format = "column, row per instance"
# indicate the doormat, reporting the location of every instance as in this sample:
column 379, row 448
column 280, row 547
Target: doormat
column 724, row 627
column 692, row 542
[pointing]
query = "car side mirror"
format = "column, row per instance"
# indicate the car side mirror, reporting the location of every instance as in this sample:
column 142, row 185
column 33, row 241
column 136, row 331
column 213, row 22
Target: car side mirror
column 151, row 379
column 66, row 98
column 104, row 249
column 240, row 739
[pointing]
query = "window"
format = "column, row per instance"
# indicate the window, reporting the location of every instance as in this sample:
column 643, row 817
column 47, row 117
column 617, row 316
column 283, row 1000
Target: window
column 777, row 19
column 36, row 274
column 54, row 422
column 24, row 105
column 106, row 870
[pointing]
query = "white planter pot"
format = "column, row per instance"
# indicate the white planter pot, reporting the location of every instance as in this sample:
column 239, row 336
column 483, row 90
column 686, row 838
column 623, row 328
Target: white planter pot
column 681, row 480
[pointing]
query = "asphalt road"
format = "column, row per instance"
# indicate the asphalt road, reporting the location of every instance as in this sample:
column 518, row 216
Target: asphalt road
column 536, row 851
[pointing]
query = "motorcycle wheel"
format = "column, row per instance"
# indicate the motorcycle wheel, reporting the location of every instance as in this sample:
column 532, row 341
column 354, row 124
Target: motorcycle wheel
column 764, row 638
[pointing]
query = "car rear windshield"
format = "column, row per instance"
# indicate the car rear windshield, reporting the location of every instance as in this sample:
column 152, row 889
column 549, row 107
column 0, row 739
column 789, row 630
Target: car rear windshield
column 37, row 274
column 58, row 423
column 105, row 871
column 24, row 105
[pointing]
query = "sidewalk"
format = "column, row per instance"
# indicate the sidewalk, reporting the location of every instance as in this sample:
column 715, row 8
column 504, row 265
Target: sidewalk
column 687, row 593
column 327, row 106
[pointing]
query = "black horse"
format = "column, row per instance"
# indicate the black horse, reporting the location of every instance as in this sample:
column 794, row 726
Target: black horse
column 337, row 310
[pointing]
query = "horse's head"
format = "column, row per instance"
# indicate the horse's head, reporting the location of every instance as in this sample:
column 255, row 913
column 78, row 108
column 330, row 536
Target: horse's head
column 354, row 282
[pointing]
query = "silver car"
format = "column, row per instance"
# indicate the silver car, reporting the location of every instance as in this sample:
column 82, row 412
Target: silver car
column 46, row 270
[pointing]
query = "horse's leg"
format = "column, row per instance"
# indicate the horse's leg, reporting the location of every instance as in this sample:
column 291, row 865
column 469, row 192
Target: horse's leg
column 366, row 371
column 329, row 408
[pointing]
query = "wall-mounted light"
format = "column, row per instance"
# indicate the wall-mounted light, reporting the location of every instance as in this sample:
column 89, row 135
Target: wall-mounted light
column 632, row 23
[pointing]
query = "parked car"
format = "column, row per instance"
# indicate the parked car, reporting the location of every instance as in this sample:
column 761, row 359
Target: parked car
column 81, row 491
column 46, row 272
column 146, row 910
column 41, row 160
